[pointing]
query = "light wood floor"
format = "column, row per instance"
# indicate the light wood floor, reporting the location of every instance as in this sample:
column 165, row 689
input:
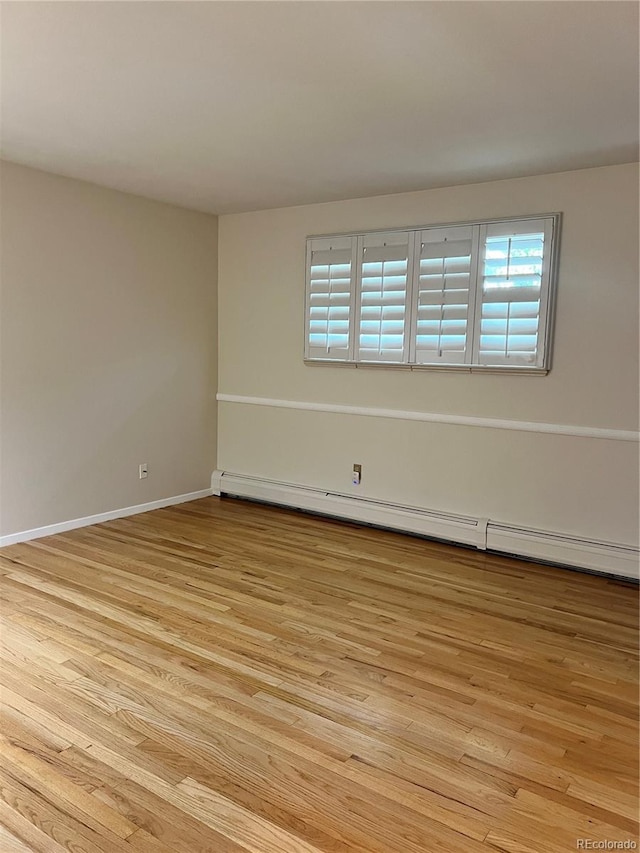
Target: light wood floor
column 226, row 677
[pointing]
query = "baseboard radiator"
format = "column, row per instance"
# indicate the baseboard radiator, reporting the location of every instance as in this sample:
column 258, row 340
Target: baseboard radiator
column 552, row 547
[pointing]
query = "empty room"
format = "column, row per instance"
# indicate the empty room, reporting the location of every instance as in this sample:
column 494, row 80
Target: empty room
column 319, row 436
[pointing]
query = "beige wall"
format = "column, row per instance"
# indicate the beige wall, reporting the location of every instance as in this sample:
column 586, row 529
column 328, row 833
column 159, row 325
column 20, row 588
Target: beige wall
column 582, row 486
column 108, row 349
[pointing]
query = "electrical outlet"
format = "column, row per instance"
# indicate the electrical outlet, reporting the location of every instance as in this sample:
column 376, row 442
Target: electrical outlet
column 143, row 471
column 357, row 475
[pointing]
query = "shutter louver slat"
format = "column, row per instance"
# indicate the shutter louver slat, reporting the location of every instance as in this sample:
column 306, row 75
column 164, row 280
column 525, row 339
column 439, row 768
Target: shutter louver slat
column 385, row 254
column 511, row 293
column 332, row 256
column 446, row 248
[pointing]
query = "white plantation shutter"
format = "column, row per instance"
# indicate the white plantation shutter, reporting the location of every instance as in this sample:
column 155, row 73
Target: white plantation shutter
column 329, row 297
column 474, row 295
column 444, row 270
column 512, row 297
column 383, row 304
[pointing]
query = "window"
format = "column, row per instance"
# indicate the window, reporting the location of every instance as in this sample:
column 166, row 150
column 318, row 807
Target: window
column 467, row 296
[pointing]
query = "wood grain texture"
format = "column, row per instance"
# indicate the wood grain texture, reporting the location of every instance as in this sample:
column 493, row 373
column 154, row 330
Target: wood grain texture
column 223, row 677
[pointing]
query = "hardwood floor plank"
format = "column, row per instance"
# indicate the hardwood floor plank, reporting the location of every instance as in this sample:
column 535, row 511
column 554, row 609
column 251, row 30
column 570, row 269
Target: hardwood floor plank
column 30, row 768
column 64, row 827
column 226, row 677
column 10, row 844
column 156, row 817
column 23, row 829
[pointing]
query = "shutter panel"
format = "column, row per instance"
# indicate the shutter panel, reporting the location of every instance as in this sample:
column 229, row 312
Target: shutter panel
column 329, row 297
column 442, row 311
column 513, row 292
column 382, row 304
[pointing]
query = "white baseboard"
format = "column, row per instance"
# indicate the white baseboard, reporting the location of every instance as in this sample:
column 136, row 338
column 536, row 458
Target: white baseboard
column 564, row 549
column 64, row 526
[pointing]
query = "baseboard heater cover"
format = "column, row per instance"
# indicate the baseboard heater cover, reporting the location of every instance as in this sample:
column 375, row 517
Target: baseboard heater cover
column 606, row 557
column 552, row 547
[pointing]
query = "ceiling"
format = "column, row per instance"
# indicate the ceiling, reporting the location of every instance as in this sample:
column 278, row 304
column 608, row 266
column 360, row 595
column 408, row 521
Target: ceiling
column 234, row 106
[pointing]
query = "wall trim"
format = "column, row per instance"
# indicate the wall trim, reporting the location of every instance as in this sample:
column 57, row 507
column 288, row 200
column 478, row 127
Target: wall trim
column 435, row 417
column 564, row 549
column 64, row 526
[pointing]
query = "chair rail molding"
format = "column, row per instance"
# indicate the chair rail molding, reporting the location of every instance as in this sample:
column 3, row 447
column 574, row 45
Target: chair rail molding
column 438, row 418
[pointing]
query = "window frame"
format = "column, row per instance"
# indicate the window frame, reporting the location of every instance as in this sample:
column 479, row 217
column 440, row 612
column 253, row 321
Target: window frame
column 551, row 223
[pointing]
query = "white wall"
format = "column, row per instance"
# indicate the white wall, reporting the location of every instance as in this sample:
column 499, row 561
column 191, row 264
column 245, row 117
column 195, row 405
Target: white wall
column 108, row 349
column 582, row 486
